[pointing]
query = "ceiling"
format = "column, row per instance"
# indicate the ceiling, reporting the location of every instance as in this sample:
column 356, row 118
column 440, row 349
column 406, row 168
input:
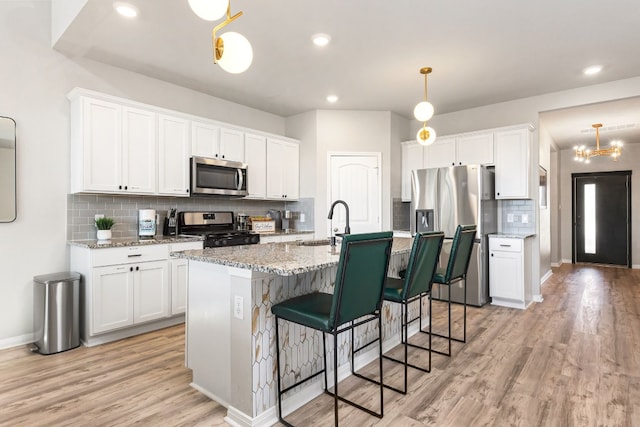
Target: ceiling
column 481, row 52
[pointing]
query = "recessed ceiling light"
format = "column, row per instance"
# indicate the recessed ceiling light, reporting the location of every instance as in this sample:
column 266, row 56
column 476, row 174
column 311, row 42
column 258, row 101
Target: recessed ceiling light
column 125, row 9
column 321, row 39
column 332, row 98
column 594, row 69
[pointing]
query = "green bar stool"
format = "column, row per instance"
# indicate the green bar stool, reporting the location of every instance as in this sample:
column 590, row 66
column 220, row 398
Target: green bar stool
column 455, row 271
column 417, row 283
column 357, row 299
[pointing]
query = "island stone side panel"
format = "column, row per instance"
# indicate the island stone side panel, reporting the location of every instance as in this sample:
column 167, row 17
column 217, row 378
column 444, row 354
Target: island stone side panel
column 301, row 348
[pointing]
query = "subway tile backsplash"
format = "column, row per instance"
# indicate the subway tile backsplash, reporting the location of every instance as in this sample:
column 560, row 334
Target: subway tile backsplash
column 82, row 208
column 513, row 216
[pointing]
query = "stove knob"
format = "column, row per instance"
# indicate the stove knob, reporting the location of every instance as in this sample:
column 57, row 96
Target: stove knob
column 216, row 243
column 224, row 242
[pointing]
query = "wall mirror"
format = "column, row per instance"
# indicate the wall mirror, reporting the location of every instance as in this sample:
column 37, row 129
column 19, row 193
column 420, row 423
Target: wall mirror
column 7, row 169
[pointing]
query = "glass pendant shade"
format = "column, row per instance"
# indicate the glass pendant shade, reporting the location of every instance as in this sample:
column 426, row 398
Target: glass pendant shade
column 237, row 53
column 426, row 135
column 209, row 10
column 423, row 111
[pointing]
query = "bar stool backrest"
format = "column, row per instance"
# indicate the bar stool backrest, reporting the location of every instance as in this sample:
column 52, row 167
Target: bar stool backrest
column 423, row 262
column 362, row 272
column 460, row 252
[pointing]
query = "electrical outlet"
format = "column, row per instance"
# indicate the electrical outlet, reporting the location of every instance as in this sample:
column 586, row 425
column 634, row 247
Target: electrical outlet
column 302, row 218
column 509, row 217
column 238, row 307
column 525, row 218
column 98, row 216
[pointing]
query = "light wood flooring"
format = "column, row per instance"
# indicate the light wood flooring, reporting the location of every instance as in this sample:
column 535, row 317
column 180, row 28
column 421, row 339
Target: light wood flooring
column 572, row 360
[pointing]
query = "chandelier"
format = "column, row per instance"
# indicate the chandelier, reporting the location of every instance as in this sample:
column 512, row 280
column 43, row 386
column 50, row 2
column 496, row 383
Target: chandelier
column 423, row 112
column 584, row 154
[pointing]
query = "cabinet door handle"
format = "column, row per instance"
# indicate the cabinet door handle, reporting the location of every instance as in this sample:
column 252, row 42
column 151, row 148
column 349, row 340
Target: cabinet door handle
column 491, row 254
column 130, row 268
column 137, row 268
column 133, row 255
column 119, row 187
column 505, row 246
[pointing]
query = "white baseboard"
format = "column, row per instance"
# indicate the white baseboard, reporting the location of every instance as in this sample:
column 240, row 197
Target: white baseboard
column 538, row 298
column 636, row 266
column 132, row 331
column 546, row 277
column 16, row 341
column 566, row 261
column 556, row 264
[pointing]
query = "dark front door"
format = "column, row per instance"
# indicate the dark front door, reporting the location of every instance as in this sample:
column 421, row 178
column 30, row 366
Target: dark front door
column 602, row 218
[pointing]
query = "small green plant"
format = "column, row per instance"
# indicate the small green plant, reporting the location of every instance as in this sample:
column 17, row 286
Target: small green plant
column 104, row 223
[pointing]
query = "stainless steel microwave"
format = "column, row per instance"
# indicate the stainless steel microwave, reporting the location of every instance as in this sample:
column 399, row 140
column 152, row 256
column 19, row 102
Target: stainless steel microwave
column 218, row 177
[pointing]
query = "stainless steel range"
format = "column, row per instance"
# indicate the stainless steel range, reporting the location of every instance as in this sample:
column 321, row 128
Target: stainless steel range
column 217, row 228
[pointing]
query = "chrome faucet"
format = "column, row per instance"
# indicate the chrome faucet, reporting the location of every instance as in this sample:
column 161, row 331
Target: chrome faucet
column 347, row 229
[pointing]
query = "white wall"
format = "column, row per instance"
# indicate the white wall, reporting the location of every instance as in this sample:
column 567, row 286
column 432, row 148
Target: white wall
column 630, row 160
column 351, row 131
column 36, row 80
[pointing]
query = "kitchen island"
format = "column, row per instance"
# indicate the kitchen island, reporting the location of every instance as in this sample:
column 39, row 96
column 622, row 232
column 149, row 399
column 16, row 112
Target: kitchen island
column 230, row 329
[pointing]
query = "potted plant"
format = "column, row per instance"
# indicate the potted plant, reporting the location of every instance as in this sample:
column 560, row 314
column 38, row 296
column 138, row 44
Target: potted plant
column 104, row 228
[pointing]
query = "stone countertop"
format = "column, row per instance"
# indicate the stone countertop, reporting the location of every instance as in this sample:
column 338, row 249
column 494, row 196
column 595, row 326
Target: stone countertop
column 283, row 259
column 132, row 241
column 286, row 233
column 511, row 235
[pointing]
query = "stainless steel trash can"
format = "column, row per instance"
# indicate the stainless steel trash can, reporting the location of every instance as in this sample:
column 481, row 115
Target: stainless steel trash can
column 56, row 312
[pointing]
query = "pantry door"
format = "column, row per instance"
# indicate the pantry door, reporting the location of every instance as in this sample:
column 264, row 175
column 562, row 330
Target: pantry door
column 355, row 178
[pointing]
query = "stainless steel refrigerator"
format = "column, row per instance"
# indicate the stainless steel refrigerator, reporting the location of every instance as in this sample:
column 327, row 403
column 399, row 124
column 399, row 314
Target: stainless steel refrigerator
column 441, row 199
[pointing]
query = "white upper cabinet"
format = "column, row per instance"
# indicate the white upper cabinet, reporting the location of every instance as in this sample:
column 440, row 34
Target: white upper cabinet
column 139, row 150
column 283, row 169
column 213, row 141
column 476, row 149
column 173, row 156
column 513, row 163
column 412, row 158
column 205, row 139
column 120, row 146
column 113, row 148
column 255, row 147
column 461, row 150
column 232, row 145
column 440, row 154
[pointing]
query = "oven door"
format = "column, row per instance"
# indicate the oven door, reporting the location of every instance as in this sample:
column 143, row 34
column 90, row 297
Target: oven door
column 218, row 177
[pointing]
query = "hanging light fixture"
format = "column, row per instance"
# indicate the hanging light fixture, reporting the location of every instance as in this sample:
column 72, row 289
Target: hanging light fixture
column 423, row 112
column 231, row 51
column 209, row 10
column 584, row 154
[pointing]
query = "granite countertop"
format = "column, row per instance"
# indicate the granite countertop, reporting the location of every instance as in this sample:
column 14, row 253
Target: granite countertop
column 132, row 241
column 283, row 259
column 512, row 235
column 286, row 233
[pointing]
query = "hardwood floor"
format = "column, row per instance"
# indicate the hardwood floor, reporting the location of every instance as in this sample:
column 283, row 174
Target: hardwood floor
column 572, row 360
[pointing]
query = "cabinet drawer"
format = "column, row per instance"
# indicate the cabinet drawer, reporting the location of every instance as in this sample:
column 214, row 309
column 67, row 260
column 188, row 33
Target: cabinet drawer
column 130, row 254
column 505, row 244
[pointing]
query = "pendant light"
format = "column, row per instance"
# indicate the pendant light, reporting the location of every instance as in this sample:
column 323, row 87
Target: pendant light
column 209, row 10
column 231, row 50
column 423, row 112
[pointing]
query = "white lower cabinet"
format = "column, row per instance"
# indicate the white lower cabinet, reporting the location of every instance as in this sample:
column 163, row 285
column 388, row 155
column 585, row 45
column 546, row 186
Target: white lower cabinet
column 111, row 302
column 150, row 291
column 179, row 277
column 124, row 295
column 510, row 271
column 129, row 290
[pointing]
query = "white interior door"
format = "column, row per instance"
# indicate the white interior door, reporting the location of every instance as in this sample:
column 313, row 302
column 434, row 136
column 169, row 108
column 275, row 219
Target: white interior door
column 355, row 178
